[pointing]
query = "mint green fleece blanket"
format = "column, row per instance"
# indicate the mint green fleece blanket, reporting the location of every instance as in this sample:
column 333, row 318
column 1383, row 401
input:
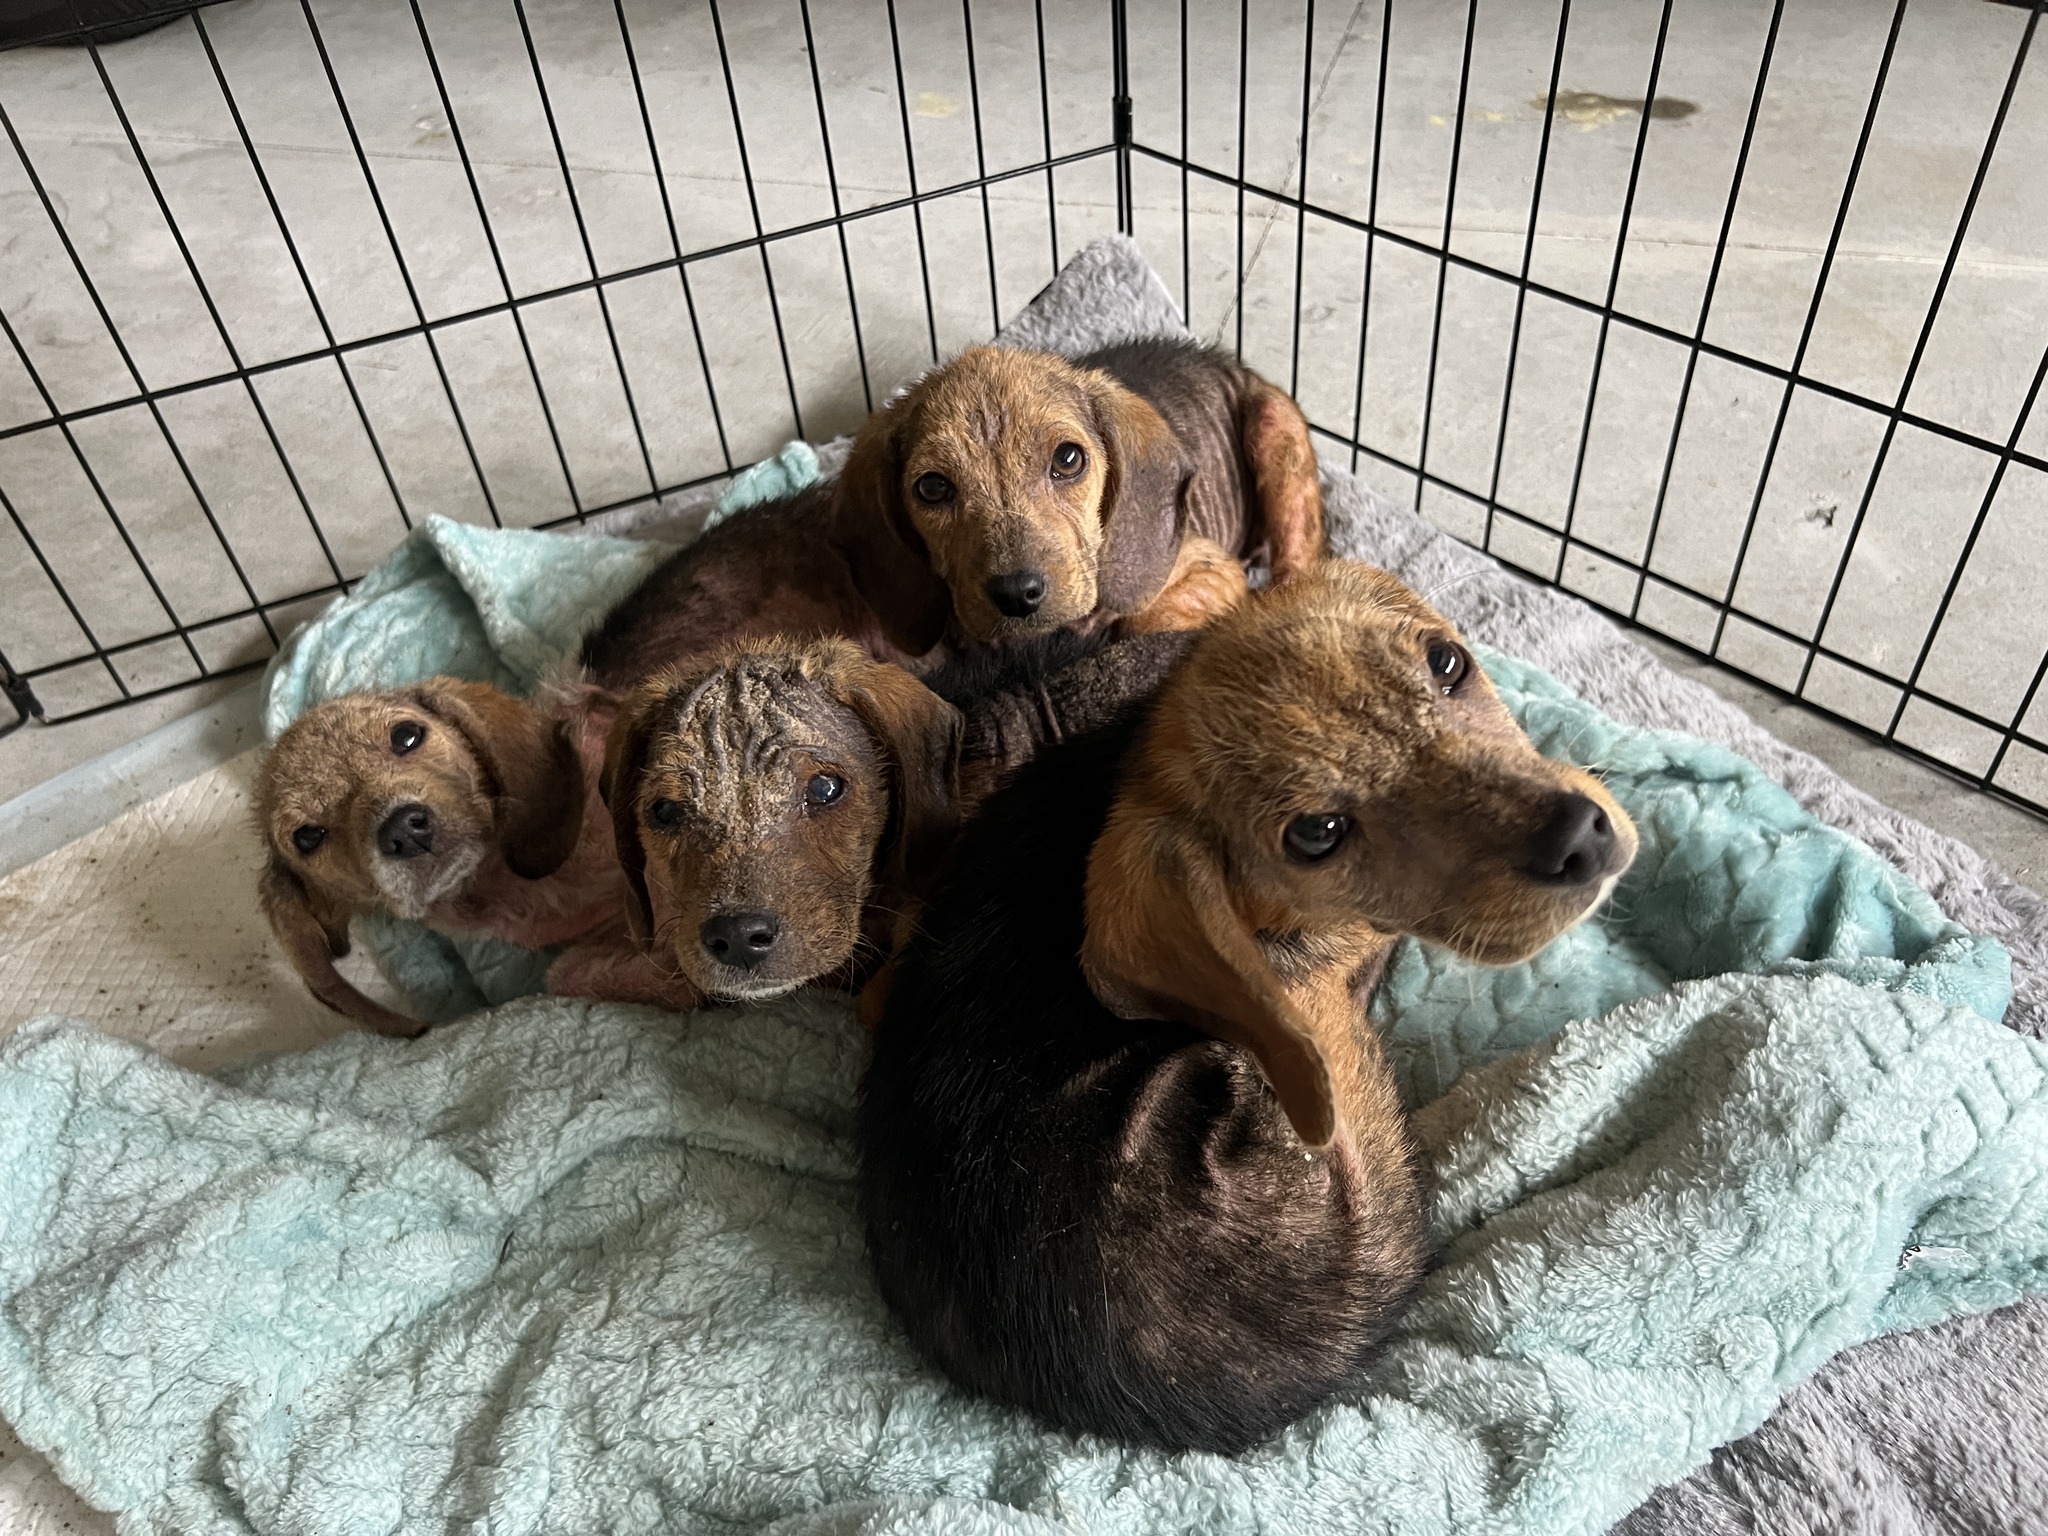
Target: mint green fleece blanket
column 578, row 1267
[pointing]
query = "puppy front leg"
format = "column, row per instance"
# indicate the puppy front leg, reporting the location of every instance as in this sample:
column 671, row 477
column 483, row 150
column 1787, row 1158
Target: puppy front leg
column 614, row 970
column 1206, row 582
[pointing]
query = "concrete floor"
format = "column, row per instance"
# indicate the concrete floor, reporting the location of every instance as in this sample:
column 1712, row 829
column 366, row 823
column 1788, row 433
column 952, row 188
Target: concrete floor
column 323, row 500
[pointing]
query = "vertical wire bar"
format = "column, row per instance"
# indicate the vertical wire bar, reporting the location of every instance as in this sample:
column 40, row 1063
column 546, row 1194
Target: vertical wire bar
column 1308, row 43
column 860, row 351
column 1372, row 220
column 483, row 217
column 1927, row 324
column 924, row 269
column 234, row 357
column 1699, row 330
column 1443, row 260
column 1962, row 561
column 1827, row 264
column 50, row 403
column 1052, row 211
column 1120, row 112
column 312, row 297
column 1507, row 392
column 988, row 228
column 604, row 308
column 412, row 294
column 1244, row 25
column 1187, row 279
column 739, row 135
column 675, row 239
column 99, row 650
column 27, row 706
column 1628, row 209
column 2018, row 719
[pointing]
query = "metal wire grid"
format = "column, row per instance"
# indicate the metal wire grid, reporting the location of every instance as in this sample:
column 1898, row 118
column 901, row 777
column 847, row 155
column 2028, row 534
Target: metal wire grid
column 2004, row 754
column 109, row 684
column 1155, row 32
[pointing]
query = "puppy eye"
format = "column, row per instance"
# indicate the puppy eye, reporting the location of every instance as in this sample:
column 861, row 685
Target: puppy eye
column 933, row 488
column 407, row 735
column 1316, row 835
column 1448, row 666
column 665, row 813
column 1068, row 460
column 824, row 788
column 307, row 839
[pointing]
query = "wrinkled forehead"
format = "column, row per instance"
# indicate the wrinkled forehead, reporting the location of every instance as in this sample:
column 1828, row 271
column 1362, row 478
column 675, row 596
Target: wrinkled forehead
column 1012, row 400
column 330, row 748
column 753, row 722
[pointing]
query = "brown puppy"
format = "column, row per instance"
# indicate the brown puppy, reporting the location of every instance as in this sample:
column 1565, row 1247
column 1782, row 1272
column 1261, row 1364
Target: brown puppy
column 1009, row 493
column 456, row 805
column 1132, row 1156
column 772, row 805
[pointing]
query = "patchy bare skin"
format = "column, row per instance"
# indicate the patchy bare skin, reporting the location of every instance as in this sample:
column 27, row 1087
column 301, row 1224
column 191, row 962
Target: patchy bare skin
column 766, row 806
column 1081, row 480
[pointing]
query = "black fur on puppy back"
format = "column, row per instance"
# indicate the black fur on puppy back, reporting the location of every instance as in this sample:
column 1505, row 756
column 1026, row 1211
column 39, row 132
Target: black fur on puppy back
column 1106, row 1222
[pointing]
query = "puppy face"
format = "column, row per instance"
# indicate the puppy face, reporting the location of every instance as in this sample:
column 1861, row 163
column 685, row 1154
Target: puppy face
column 395, row 800
column 1010, row 493
column 1331, row 770
column 756, row 799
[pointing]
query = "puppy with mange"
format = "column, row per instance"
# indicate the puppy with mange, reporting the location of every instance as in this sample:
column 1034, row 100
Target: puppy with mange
column 456, row 805
column 1009, row 493
column 781, row 807
column 1132, row 1155
column 770, row 805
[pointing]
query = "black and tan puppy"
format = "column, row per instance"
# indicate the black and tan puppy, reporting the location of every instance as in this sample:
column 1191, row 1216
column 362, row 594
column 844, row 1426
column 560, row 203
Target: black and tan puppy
column 1009, row 493
column 1132, row 1155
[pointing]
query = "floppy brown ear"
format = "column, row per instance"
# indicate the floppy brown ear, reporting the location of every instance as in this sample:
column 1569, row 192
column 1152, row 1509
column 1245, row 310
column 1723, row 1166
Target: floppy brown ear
column 920, row 734
column 871, row 529
column 314, row 935
column 1164, row 942
column 536, row 777
column 625, row 763
column 1144, row 497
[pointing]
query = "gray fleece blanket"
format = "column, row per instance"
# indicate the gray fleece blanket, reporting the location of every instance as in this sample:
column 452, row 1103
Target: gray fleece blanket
column 1934, row 1433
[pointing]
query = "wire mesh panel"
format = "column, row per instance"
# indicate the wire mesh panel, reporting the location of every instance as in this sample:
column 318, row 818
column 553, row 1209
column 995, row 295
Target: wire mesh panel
column 284, row 278
column 1730, row 317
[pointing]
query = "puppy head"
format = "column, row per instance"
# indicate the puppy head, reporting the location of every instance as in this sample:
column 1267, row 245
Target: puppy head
column 1329, row 770
column 395, row 799
column 1011, row 492
column 757, row 797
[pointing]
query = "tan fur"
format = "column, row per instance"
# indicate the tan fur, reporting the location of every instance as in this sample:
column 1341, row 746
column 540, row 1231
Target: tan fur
column 1317, row 696
column 521, row 847
column 733, row 741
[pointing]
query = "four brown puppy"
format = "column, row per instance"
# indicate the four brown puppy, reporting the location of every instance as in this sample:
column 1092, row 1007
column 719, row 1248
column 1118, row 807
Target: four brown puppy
column 1133, row 1157
column 1009, row 493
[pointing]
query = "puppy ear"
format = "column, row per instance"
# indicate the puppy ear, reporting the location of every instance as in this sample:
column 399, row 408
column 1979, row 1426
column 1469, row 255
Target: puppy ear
column 1144, row 497
column 919, row 733
column 1163, row 941
column 314, row 934
column 536, row 777
column 625, row 764
column 872, row 531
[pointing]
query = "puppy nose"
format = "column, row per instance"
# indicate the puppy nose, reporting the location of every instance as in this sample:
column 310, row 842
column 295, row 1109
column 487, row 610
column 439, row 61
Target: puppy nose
column 406, row 833
column 1018, row 593
column 1574, row 846
column 744, row 939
